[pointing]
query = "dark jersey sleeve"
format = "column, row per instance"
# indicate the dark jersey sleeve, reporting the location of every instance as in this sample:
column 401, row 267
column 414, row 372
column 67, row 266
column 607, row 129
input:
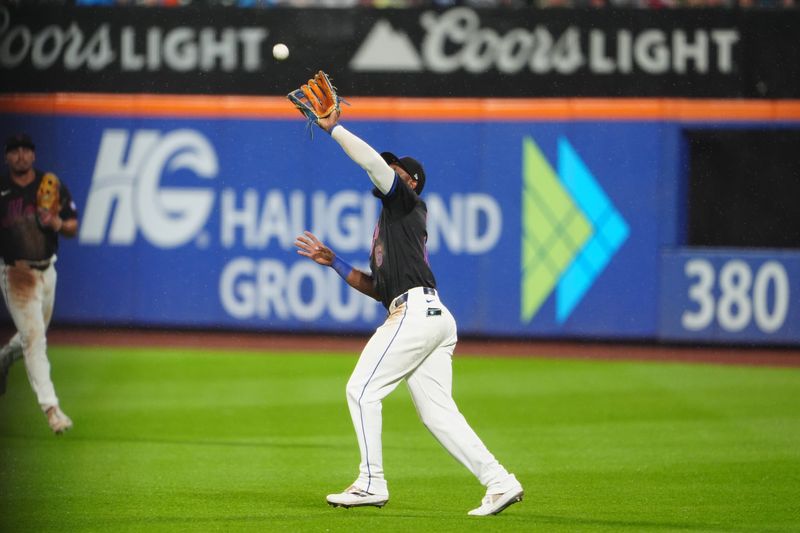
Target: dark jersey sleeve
column 68, row 209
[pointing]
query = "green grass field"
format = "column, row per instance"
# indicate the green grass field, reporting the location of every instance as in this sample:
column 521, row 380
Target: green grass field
column 189, row 440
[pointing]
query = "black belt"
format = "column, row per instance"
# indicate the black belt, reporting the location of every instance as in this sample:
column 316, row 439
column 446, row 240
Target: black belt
column 403, row 298
column 42, row 265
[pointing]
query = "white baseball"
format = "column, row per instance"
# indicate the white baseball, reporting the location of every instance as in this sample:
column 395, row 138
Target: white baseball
column 280, row 51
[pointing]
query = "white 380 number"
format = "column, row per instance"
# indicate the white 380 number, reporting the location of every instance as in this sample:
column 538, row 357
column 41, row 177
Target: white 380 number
column 737, row 304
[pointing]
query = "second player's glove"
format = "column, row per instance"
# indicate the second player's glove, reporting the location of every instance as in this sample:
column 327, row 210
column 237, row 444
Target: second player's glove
column 48, row 195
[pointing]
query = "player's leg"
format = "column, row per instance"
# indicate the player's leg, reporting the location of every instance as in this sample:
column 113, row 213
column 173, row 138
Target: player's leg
column 58, row 420
column 431, row 391
column 13, row 349
column 9, row 353
column 23, row 290
column 383, row 362
column 391, row 353
column 49, row 278
column 430, row 385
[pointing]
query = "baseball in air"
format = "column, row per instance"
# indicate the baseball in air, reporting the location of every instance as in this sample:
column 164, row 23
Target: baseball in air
column 280, row 51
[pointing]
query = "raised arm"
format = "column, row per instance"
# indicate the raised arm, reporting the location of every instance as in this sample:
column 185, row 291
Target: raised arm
column 381, row 174
column 309, row 246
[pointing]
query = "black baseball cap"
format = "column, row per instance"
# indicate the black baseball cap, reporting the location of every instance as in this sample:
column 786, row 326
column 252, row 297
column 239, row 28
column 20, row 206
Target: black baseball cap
column 410, row 165
column 19, row 140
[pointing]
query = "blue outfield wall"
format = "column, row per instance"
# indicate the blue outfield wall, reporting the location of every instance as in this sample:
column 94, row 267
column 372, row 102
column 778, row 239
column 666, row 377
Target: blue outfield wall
column 536, row 229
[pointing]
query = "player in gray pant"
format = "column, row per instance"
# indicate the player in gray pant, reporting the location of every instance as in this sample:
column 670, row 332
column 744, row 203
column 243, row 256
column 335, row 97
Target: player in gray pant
column 416, row 341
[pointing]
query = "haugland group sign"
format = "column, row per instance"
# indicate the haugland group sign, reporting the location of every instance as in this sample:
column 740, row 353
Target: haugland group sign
column 451, row 52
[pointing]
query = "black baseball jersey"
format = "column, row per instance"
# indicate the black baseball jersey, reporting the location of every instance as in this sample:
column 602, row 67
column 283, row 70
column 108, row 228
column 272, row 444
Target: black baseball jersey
column 399, row 257
column 21, row 234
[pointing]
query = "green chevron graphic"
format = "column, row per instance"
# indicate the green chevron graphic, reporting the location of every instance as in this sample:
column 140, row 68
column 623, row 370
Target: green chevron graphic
column 554, row 229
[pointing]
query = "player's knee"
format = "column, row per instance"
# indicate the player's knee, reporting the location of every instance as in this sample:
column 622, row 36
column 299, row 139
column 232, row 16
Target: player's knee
column 32, row 342
column 362, row 394
column 353, row 391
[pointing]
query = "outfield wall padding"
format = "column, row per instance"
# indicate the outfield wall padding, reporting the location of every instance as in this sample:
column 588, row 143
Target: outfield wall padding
column 567, row 225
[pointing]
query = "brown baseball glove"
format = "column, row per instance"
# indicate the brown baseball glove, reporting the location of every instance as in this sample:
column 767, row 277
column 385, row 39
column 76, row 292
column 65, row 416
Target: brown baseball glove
column 48, row 196
column 317, row 99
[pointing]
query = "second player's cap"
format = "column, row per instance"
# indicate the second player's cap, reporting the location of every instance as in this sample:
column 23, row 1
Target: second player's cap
column 19, row 140
column 410, row 165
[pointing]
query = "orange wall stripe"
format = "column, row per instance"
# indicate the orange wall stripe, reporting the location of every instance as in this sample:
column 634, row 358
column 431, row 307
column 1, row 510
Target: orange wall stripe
column 504, row 109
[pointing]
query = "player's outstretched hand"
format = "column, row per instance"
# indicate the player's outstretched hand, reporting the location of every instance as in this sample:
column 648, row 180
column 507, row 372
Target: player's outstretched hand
column 308, row 245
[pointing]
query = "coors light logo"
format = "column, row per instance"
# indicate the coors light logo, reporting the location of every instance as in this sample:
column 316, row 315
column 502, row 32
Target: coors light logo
column 73, row 46
column 455, row 40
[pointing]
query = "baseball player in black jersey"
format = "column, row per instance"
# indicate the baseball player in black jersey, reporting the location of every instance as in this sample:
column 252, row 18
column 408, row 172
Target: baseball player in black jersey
column 416, row 341
column 29, row 241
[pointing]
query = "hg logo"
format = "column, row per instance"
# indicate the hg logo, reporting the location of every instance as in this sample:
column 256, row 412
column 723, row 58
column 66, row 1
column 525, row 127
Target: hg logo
column 126, row 194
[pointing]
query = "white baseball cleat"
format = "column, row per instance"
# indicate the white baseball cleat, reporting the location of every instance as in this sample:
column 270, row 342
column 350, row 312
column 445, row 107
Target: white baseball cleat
column 495, row 503
column 59, row 422
column 355, row 497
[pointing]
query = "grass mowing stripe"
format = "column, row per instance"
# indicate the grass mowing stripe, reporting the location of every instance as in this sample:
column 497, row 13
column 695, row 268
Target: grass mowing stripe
column 200, row 440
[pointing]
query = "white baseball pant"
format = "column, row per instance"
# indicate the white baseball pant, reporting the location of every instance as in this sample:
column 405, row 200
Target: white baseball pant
column 415, row 343
column 29, row 295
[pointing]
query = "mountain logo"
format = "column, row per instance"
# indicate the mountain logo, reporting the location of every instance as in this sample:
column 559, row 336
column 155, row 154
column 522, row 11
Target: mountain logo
column 570, row 230
column 386, row 50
